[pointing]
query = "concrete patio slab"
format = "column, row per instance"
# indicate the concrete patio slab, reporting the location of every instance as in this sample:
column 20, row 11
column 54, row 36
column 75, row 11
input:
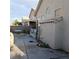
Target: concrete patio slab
column 26, row 48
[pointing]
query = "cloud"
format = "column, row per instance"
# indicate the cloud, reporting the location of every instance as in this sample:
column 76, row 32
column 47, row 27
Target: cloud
column 19, row 8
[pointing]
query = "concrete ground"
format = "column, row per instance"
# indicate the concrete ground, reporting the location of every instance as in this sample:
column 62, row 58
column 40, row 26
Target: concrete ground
column 24, row 49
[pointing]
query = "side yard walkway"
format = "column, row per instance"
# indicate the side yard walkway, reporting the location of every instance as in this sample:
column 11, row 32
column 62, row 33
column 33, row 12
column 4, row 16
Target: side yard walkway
column 26, row 48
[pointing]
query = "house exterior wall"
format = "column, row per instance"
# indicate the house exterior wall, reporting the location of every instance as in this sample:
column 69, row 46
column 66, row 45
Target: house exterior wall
column 31, row 16
column 47, row 32
column 47, row 9
column 66, row 25
column 56, row 35
column 59, row 35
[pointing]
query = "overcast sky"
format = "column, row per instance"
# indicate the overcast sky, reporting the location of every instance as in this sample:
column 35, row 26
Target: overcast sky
column 19, row 8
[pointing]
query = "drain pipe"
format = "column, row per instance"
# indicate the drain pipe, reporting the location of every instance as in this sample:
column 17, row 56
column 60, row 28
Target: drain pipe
column 37, row 30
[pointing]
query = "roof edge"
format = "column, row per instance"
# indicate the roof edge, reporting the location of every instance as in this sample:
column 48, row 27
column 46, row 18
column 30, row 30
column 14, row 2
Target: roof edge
column 38, row 6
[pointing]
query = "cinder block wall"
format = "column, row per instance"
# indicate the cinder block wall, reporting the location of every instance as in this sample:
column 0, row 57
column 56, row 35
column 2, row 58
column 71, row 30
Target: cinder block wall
column 13, row 28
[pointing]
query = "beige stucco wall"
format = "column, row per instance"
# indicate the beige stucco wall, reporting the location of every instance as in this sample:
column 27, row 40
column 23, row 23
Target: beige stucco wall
column 56, row 35
column 66, row 25
column 59, row 35
column 48, row 7
column 31, row 16
column 47, row 32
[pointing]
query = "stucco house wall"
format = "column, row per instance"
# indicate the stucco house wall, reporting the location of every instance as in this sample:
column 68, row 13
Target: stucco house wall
column 47, row 34
column 55, row 34
column 31, row 16
column 66, row 25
